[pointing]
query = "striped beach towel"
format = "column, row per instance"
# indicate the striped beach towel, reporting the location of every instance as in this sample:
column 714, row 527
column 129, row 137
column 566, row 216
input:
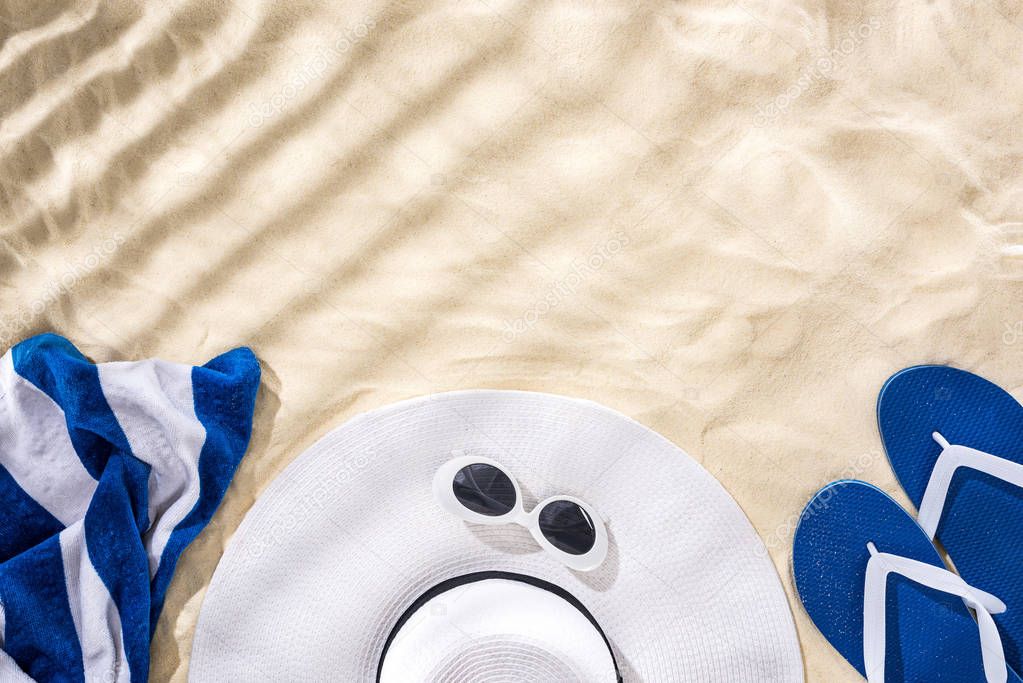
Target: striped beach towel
column 107, row 472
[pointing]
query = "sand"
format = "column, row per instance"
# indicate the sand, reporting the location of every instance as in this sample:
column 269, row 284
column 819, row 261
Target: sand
column 730, row 221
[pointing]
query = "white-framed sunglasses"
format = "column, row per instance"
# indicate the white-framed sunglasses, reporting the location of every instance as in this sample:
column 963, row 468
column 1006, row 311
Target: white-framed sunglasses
column 482, row 491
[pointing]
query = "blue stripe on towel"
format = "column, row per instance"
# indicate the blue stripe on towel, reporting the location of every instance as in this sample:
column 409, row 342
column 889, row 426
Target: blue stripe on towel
column 120, row 558
column 23, row 522
column 43, row 640
column 54, row 365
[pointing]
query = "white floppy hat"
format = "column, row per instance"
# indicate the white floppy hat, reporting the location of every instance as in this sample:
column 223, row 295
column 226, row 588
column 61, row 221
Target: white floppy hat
column 349, row 568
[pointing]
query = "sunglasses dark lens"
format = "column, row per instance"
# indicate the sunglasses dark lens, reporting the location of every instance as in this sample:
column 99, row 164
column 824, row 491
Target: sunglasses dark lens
column 567, row 527
column 484, row 489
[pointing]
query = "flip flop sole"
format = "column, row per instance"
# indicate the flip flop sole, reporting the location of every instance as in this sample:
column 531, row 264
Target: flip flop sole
column 930, row 635
column 982, row 523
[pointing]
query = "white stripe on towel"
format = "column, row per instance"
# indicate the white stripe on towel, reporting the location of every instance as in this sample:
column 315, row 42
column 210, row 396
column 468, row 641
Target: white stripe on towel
column 96, row 618
column 152, row 401
column 36, row 449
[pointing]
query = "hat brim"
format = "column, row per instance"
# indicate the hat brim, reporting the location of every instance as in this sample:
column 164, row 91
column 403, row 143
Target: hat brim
column 349, row 535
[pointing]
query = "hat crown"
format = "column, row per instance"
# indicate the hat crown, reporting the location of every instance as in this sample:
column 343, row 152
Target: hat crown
column 497, row 629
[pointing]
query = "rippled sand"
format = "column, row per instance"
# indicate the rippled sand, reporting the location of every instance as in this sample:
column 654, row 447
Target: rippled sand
column 731, row 221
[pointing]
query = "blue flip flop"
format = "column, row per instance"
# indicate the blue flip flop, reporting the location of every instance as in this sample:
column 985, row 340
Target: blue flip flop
column 877, row 589
column 955, row 441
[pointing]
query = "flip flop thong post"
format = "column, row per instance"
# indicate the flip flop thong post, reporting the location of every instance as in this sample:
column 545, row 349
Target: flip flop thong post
column 877, row 589
column 955, row 441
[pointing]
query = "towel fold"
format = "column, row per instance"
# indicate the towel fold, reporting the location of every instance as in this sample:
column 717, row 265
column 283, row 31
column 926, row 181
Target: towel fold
column 107, row 472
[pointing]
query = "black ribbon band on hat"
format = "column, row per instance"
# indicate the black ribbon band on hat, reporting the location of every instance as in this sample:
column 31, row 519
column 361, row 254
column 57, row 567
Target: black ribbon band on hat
column 445, row 586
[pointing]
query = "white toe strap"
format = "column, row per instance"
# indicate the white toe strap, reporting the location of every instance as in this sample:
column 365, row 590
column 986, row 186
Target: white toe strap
column 951, row 459
column 875, row 586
